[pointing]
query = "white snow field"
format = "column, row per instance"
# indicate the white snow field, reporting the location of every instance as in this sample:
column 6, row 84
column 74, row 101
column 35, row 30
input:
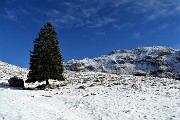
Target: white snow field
column 93, row 96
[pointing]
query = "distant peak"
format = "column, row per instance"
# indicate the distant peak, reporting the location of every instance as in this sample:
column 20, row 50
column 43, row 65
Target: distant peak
column 144, row 49
column 154, row 47
column 119, row 51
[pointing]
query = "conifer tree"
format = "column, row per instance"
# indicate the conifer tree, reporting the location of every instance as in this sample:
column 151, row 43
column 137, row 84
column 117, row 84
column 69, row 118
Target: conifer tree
column 46, row 59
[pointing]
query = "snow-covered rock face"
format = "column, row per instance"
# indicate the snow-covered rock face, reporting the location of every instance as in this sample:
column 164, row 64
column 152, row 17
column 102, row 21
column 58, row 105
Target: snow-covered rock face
column 154, row 61
column 7, row 71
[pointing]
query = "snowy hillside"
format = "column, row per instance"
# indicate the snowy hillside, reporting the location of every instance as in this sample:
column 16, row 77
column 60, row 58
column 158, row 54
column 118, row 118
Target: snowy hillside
column 7, row 71
column 94, row 93
column 152, row 61
column 95, row 96
column 91, row 96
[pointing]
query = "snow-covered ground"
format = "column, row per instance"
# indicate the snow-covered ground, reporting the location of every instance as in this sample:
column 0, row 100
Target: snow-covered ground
column 94, row 96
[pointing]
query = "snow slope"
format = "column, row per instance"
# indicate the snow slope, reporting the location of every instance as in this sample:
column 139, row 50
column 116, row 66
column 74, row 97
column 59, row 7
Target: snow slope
column 152, row 61
column 8, row 70
column 119, row 102
column 93, row 96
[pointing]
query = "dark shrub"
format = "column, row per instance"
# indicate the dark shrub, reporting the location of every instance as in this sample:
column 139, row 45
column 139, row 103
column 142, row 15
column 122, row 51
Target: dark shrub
column 16, row 82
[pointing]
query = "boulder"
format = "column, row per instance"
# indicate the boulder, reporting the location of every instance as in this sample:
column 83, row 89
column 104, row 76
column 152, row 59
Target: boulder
column 16, row 82
column 76, row 66
column 177, row 76
column 139, row 73
column 90, row 68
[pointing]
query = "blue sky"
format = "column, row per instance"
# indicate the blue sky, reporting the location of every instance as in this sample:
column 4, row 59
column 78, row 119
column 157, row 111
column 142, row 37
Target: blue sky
column 87, row 28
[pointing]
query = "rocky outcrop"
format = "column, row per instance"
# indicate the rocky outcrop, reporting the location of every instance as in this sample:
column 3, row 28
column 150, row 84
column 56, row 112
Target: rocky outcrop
column 16, row 82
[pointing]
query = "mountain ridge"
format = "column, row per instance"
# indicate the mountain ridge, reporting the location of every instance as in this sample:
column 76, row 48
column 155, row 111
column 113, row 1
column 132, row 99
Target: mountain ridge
column 158, row 61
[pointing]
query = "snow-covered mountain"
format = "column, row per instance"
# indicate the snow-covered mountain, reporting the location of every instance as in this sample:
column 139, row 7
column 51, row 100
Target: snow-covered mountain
column 156, row 61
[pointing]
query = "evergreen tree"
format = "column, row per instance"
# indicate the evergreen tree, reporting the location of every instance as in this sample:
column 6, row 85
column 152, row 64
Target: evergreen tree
column 45, row 59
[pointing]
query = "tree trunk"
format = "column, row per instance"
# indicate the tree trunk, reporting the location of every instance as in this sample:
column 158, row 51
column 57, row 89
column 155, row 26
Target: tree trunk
column 47, row 82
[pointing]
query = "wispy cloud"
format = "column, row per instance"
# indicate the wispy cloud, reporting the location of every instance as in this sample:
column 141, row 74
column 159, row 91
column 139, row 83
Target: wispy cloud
column 10, row 14
column 153, row 9
column 99, row 13
column 162, row 13
column 100, row 33
column 13, row 14
column 37, row 20
column 177, row 29
column 89, row 13
column 164, row 26
column 99, row 22
column 123, row 26
column 136, row 35
column 79, row 16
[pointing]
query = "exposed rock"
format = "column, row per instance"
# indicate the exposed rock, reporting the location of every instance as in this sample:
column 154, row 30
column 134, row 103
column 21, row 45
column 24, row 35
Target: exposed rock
column 121, row 61
column 177, row 77
column 74, row 65
column 81, row 87
column 138, row 73
column 16, row 82
column 90, row 68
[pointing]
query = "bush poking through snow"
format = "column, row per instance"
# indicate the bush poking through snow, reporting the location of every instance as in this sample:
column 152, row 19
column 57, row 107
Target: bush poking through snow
column 16, row 82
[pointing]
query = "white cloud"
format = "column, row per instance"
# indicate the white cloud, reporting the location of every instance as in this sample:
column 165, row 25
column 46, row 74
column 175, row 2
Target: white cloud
column 150, row 10
column 88, row 12
column 99, row 13
column 136, row 35
column 99, row 22
column 10, row 15
column 164, row 26
column 100, row 33
column 153, row 9
column 122, row 26
column 13, row 13
column 37, row 20
column 118, row 3
column 79, row 17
